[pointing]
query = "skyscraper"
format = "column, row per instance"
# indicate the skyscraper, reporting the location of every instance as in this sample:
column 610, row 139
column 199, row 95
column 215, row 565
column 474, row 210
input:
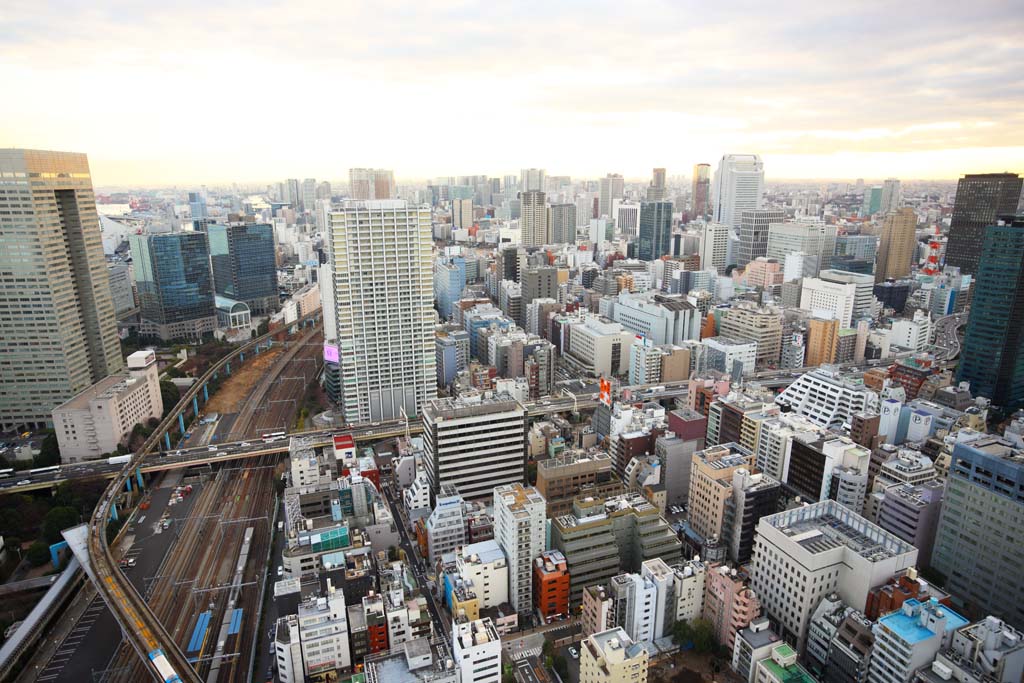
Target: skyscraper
column 383, row 291
column 245, row 264
column 291, row 194
column 563, row 224
column 56, row 313
column 519, row 528
column 175, row 285
column 656, row 190
column 980, row 198
column 371, row 183
column 753, row 233
column 533, row 219
column 815, row 239
column 531, row 179
column 897, row 245
column 612, row 188
column 892, row 196
column 309, row 194
column 462, row 213
column 714, row 247
column 993, row 353
column 739, row 183
column 655, row 230
column 700, row 200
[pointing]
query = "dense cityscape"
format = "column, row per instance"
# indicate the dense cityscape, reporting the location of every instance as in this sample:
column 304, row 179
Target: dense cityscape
column 459, row 342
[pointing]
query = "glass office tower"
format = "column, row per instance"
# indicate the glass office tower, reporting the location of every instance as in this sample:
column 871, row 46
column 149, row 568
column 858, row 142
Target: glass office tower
column 244, row 264
column 175, row 286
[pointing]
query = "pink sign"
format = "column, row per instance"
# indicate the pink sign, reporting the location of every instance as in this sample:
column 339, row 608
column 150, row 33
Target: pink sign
column 330, row 353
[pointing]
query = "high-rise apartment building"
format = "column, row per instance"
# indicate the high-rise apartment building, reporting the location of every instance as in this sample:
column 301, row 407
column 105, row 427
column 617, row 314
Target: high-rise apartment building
column 56, row 313
column 992, row 359
column 531, row 179
column 462, row 213
column 753, row 233
column 611, row 188
column 897, row 246
column 371, row 183
column 475, row 444
column 533, row 219
column 980, row 199
column 175, row 285
column 817, row 241
column 657, row 189
column 750, row 322
column 245, row 264
column 383, row 293
column 563, row 224
column 655, row 230
column 700, row 192
column 519, row 528
column 715, row 252
column 977, row 545
column 892, row 196
column 308, row 191
column 738, row 186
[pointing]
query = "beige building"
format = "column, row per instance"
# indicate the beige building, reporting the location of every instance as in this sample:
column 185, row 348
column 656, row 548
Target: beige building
column 897, row 245
column 96, row 420
column 612, row 657
column 749, row 322
column 56, row 311
column 576, row 473
column 822, row 341
column 711, row 473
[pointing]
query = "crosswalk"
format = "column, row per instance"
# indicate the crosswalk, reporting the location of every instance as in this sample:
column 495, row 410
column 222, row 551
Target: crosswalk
column 60, row 658
column 523, row 654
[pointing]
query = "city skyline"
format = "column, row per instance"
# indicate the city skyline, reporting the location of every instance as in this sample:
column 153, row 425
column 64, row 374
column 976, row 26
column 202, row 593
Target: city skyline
column 831, row 95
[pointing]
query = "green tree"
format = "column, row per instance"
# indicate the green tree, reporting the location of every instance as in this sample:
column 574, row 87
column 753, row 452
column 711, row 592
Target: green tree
column 113, row 526
column 531, row 473
column 38, row 554
column 170, row 395
column 49, row 452
column 703, row 636
column 57, row 519
column 562, row 667
column 548, row 648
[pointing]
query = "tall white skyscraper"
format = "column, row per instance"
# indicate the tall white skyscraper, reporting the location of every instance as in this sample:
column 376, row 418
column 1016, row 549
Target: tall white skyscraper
column 714, row 247
column 738, row 186
column 309, row 194
column 612, row 188
column 627, row 217
column 892, row 195
column 533, row 219
column 519, row 523
column 383, row 296
column 462, row 213
column 531, row 179
column 371, row 183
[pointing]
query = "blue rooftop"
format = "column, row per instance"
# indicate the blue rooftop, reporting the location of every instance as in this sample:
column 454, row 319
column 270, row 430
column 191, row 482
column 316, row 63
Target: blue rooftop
column 908, row 627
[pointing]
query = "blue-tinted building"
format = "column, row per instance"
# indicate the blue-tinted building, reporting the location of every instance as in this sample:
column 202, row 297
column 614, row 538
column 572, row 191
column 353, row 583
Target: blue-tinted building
column 655, row 235
column 449, row 281
column 245, row 264
column 856, row 253
column 175, row 285
column 992, row 359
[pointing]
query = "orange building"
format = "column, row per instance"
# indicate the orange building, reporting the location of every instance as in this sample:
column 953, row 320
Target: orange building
column 822, row 341
column 551, row 585
column 890, row 596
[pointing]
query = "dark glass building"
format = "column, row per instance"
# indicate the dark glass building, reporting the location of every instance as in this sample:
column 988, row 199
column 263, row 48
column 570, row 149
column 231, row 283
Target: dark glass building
column 172, row 273
column 245, row 265
column 980, row 198
column 655, row 238
column 992, row 359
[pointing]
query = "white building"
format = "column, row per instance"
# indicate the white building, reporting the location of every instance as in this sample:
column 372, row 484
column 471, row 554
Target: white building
column 95, row 421
column 323, row 632
column 417, row 497
column 598, row 346
column 659, row 318
column 484, row 568
column 915, row 334
column 715, row 247
column 828, row 398
column 384, row 298
column 689, row 581
column 636, row 601
column 831, row 300
column 738, row 186
column 816, row 240
column 474, row 443
column 775, row 442
column 520, row 530
column 612, row 657
column 645, row 364
column 721, row 353
column 288, row 650
column 534, row 219
column 865, row 305
column 910, row 638
column 627, row 218
column 477, row 650
column 804, row 554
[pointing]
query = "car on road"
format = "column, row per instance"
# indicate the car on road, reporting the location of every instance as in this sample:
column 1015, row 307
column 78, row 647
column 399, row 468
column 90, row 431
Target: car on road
column 131, row 561
column 177, row 452
column 24, row 482
column 573, row 653
column 211, row 448
column 280, row 571
column 245, row 444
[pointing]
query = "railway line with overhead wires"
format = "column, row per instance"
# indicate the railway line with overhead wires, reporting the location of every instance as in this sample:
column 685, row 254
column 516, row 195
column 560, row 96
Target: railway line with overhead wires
column 200, row 570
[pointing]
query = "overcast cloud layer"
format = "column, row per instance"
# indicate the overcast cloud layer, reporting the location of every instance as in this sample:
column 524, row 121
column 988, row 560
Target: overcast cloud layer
column 190, row 92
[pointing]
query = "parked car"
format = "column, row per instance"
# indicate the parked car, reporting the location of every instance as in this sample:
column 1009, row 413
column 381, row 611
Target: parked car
column 573, row 653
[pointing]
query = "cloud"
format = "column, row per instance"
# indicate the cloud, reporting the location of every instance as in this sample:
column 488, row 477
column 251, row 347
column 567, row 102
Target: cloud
column 209, row 91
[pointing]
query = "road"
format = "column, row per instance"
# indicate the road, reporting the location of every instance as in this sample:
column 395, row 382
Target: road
column 947, row 340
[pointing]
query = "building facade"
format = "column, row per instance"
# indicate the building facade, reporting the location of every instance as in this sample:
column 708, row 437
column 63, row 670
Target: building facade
column 175, row 285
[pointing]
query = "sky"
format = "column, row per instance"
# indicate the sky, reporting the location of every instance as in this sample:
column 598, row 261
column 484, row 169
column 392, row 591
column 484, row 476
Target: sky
column 190, row 92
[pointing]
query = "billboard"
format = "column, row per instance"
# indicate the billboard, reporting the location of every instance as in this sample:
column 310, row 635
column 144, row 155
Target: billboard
column 606, row 392
column 330, row 353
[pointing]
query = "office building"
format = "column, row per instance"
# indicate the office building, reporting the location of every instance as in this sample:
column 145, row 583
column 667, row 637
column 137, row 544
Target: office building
column 715, row 247
column 446, row 525
column 827, row 397
column 533, row 219
column 910, row 638
column 452, row 348
column 815, row 240
column 980, row 199
column 575, row 472
column 598, row 347
column 563, row 224
column 830, row 300
column 462, row 214
column 380, row 256
column 551, row 585
column 538, row 282
column 729, row 603
column 804, row 554
column 245, row 264
column 864, row 304
column 474, row 443
column 976, row 545
column 655, row 230
column 700, row 192
column 658, row 318
column 781, row 667
column 656, row 190
column 323, row 633
column 897, row 246
column 627, row 218
column 371, row 183
column 763, row 326
column 99, row 419
column 483, row 568
column 856, row 253
column 611, row 188
column 519, row 528
column 52, row 260
column 912, row 513
column 753, row 233
column 612, row 657
column 476, row 647
column 992, row 359
column 738, row 187
column 736, row 357
column 175, row 285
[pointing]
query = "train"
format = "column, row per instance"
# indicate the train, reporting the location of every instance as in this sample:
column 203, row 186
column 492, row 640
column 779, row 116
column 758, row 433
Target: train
column 6, row 473
column 45, row 470
column 119, row 459
column 163, row 667
column 273, row 436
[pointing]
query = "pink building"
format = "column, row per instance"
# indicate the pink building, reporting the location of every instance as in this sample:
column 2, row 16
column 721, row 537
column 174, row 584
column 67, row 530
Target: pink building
column 729, row 603
column 763, row 272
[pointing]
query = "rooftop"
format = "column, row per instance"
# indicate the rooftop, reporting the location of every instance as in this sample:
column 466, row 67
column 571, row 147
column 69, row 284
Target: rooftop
column 909, row 623
column 827, row 525
column 108, row 387
column 456, row 408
